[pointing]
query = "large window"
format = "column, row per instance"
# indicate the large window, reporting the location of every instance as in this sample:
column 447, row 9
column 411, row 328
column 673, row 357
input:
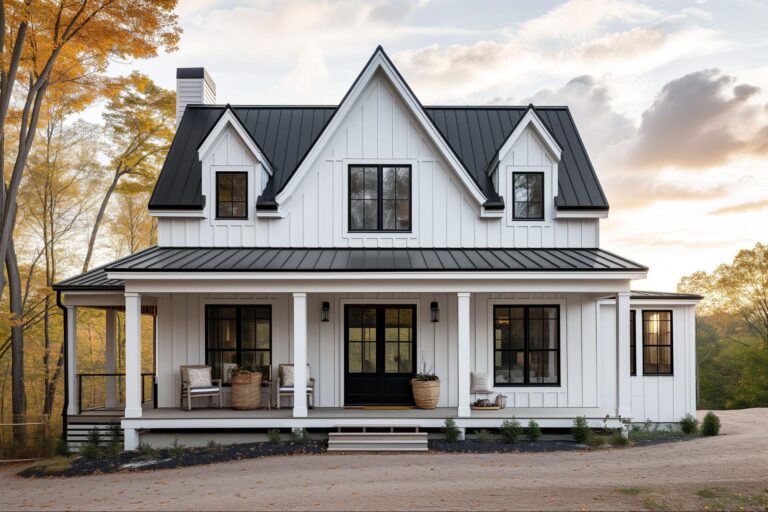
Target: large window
column 657, row 343
column 632, row 343
column 232, row 195
column 238, row 336
column 526, row 345
column 528, row 195
column 379, row 198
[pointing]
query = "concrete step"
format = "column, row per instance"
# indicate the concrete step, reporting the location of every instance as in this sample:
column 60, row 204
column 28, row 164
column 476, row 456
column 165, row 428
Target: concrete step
column 377, row 441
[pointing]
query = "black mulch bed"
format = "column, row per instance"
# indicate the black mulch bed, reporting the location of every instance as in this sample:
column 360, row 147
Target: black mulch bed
column 498, row 446
column 165, row 459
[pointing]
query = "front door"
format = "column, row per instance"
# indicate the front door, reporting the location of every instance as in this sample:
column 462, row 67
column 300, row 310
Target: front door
column 380, row 354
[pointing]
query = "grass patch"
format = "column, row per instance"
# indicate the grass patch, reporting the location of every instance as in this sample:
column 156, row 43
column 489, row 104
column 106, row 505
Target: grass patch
column 54, row 464
column 718, row 498
column 633, row 491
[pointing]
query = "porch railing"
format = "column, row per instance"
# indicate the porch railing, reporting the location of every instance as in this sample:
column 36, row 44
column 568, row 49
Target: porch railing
column 106, row 391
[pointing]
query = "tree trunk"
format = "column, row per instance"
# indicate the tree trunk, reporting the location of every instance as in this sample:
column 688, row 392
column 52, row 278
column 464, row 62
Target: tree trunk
column 100, row 218
column 19, row 401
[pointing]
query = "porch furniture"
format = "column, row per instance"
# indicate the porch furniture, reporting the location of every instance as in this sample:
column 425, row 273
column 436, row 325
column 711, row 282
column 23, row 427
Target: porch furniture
column 246, row 391
column 285, row 384
column 267, row 383
column 196, row 382
column 481, row 383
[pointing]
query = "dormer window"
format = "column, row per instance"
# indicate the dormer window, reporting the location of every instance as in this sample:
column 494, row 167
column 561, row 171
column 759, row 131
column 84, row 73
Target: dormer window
column 231, row 195
column 379, row 198
column 528, row 196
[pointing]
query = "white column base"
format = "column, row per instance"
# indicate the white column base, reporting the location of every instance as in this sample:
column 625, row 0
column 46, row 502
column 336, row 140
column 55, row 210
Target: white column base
column 130, row 439
column 464, row 412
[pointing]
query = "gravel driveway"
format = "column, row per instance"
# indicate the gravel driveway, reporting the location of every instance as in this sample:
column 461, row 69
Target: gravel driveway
column 723, row 472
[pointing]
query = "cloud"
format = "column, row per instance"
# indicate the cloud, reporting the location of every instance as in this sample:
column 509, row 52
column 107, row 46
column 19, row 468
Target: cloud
column 751, row 206
column 640, row 191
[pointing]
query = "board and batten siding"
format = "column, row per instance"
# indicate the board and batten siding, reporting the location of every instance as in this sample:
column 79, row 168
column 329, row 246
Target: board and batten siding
column 379, row 129
column 181, row 341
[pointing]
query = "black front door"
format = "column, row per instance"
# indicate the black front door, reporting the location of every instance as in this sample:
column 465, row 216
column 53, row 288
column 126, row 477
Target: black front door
column 380, row 354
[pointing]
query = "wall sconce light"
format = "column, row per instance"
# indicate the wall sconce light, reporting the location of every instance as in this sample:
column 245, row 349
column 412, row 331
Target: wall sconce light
column 435, row 312
column 324, row 311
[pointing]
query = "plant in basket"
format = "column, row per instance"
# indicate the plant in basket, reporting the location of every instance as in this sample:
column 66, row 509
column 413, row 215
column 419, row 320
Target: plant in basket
column 426, row 388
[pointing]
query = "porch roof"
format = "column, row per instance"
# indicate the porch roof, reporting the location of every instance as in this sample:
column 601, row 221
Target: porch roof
column 275, row 260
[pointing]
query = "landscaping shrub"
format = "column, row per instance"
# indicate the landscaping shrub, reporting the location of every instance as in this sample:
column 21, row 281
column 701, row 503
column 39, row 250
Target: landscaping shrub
column 511, row 430
column 62, row 448
column 483, row 435
column 300, row 435
column 214, row 446
column 581, row 432
column 176, row 450
column 451, row 432
column 534, row 431
column 273, row 435
column 595, row 441
column 710, row 425
column 619, row 439
column 91, row 448
column 113, row 448
column 689, row 424
column 146, row 449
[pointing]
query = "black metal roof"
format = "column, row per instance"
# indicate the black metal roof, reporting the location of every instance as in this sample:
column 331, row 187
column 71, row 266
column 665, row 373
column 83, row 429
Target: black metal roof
column 232, row 259
column 286, row 134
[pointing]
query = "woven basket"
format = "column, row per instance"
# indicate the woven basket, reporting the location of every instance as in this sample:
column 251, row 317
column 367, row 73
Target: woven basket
column 246, row 391
column 426, row 393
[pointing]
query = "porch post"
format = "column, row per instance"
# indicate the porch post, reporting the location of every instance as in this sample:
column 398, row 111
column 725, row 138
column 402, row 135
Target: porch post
column 132, row 355
column 299, row 355
column 623, row 394
column 463, row 354
column 72, row 389
column 110, row 358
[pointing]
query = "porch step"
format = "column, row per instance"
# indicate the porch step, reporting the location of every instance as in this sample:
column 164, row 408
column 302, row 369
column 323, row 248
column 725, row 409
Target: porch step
column 377, row 441
column 79, row 429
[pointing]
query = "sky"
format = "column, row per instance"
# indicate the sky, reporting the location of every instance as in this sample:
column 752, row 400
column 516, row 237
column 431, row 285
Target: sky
column 670, row 97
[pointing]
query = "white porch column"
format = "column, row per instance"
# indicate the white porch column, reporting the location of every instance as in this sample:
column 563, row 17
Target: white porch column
column 299, row 355
column 73, row 394
column 623, row 393
column 110, row 357
column 132, row 355
column 463, row 354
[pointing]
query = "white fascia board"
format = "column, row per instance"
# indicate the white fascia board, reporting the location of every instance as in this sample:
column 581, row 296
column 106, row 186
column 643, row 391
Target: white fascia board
column 653, row 302
column 380, row 62
column 184, row 214
column 491, row 214
column 531, row 119
column 581, row 214
column 270, row 214
column 228, row 118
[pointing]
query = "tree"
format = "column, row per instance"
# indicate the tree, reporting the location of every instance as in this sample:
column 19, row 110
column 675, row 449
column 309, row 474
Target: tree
column 139, row 123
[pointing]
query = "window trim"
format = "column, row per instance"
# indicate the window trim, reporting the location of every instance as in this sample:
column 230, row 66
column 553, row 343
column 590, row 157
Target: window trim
column 514, row 201
column 671, row 343
column 379, row 199
column 216, row 205
column 632, row 342
column 526, row 350
column 238, row 349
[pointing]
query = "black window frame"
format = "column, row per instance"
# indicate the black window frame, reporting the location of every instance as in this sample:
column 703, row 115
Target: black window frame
column 379, row 199
column 632, row 342
column 526, row 349
column 514, row 199
column 219, row 175
column 238, row 342
column 671, row 345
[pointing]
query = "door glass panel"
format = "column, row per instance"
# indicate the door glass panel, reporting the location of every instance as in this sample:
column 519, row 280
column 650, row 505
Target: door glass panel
column 361, row 340
column 398, row 335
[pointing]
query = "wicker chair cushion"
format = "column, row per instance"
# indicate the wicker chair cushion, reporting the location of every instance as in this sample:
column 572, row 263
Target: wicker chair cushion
column 481, row 383
column 203, row 390
column 286, row 375
column 199, row 377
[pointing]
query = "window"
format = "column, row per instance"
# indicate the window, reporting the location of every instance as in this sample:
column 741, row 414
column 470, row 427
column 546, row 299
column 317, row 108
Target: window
column 238, row 336
column 632, row 343
column 526, row 345
column 379, row 198
column 657, row 343
column 231, row 195
column 528, row 196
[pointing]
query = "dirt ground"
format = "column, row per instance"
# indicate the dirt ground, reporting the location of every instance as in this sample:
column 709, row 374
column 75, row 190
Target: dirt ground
column 729, row 471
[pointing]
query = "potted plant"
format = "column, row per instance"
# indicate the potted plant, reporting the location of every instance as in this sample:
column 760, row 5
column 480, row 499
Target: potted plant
column 426, row 389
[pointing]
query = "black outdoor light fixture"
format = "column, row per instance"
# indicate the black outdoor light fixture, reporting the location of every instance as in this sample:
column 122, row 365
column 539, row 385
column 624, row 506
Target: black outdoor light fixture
column 324, row 311
column 435, row 312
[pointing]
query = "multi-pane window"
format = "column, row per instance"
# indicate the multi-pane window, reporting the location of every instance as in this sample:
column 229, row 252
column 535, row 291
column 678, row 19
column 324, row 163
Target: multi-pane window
column 379, row 198
column 632, row 343
column 238, row 337
column 232, row 195
column 528, row 195
column 657, row 342
column 526, row 345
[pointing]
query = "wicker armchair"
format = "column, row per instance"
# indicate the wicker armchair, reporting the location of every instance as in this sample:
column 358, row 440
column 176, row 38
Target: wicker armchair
column 189, row 391
column 288, row 390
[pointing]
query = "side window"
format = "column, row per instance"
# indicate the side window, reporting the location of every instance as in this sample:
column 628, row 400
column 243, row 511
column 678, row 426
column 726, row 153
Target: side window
column 379, row 198
column 231, row 195
column 528, row 196
column 657, row 343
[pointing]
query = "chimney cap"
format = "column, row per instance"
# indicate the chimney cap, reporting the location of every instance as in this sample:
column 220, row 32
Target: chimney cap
column 196, row 73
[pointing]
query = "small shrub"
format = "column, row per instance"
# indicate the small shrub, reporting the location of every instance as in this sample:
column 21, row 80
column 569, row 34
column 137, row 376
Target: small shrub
column 273, row 435
column 62, row 448
column 113, row 448
column 619, row 439
column 689, row 425
column 596, row 441
column 300, row 435
column 483, row 435
column 511, row 430
column 214, row 446
column 451, row 432
column 176, row 451
column 146, row 449
column 534, row 431
column 91, row 448
column 710, row 425
column 581, row 432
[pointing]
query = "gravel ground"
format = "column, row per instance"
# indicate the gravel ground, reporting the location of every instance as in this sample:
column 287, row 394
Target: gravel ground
column 728, row 471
